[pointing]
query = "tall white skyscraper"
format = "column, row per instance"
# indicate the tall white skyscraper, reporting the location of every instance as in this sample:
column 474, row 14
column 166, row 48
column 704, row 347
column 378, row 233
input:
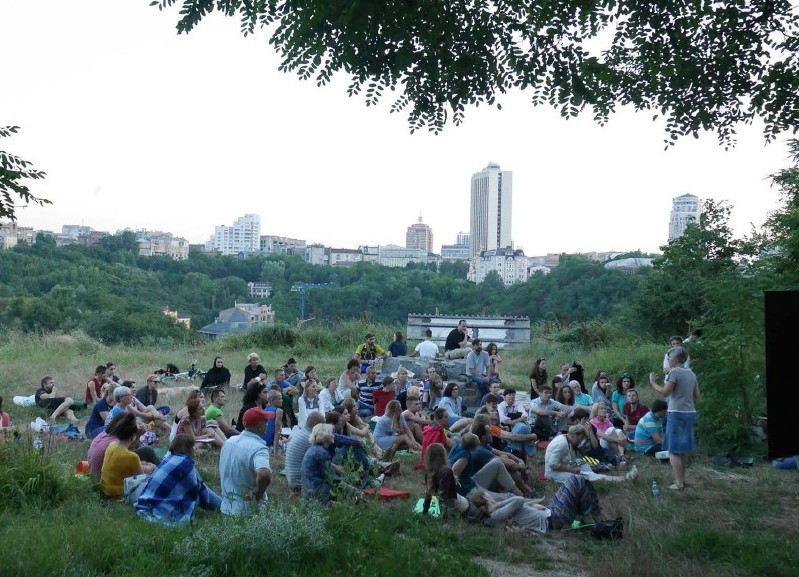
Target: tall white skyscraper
column 491, row 209
column 243, row 237
column 684, row 209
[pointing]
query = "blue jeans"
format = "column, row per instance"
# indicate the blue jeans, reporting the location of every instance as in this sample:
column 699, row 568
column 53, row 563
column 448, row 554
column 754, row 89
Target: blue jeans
column 365, row 411
column 787, row 464
column 481, row 382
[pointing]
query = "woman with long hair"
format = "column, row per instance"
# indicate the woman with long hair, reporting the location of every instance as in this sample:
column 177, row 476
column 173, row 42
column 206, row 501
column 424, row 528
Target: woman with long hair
column 440, row 481
column 452, row 402
column 619, row 398
column 355, row 425
column 194, row 424
column 601, row 390
column 254, row 397
column 392, row 432
column 538, row 377
column 494, row 362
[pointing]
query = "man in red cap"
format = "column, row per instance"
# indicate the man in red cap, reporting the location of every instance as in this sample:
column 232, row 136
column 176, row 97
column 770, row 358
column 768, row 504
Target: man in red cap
column 244, row 466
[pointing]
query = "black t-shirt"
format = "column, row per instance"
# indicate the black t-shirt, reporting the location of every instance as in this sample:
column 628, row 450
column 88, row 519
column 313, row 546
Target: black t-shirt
column 454, row 339
column 147, row 396
column 250, row 373
column 39, row 392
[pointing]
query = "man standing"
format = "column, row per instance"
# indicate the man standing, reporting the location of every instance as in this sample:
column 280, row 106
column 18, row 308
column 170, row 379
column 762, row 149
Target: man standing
column 427, row 348
column 457, row 344
column 477, row 366
column 214, row 412
column 244, row 466
column 368, row 352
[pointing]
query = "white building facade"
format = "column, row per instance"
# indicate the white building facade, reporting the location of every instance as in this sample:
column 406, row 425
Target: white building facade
column 511, row 265
column 244, row 237
column 491, row 209
column 685, row 209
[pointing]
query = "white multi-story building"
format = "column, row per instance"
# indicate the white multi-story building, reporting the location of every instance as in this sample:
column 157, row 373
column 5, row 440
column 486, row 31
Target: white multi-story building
column 397, row 256
column 244, row 237
column 511, row 266
column 685, row 209
column 344, row 256
column 491, row 209
column 420, row 236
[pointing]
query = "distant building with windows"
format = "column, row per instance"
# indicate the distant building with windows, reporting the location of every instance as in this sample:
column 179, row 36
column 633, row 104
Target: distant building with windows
column 185, row 321
column 316, row 254
column 11, row 233
column 241, row 318
column 397, row 256
column 510, row 264
column 272, row 244
column 685, row 209
column 260, row 289
column 162, row 244
column 491, row 209
column 461, row 250
column 243, row 238
column 419, row 236
column 344, row 256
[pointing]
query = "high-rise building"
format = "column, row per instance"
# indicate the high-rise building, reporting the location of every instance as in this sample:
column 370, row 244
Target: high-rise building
column 491, row 208
column 684, row 210
column 244, row 237
column 419, row 235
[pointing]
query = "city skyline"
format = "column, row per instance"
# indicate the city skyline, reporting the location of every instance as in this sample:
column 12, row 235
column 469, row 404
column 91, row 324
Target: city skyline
column 139, row 128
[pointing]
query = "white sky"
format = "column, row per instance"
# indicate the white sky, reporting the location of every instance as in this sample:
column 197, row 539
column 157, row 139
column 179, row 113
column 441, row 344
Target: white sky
column 139, row 127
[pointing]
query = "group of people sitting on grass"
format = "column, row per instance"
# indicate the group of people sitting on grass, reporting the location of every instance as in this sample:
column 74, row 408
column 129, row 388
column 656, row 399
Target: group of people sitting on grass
column 346, row 431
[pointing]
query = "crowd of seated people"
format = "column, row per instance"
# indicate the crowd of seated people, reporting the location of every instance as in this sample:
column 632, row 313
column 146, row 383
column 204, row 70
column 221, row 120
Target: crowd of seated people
column 348, row 430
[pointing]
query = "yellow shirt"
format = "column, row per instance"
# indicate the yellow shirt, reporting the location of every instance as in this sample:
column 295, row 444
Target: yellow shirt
column 119, row 462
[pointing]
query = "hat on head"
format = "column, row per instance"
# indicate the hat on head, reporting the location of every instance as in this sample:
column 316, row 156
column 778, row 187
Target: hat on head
column 254, row 416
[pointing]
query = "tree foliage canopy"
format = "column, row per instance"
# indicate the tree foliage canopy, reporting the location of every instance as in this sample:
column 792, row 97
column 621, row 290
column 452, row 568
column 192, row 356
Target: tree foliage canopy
column 13, row 173
column 703, row 65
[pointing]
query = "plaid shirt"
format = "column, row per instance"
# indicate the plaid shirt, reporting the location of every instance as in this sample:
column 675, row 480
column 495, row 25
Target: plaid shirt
column 172, row 491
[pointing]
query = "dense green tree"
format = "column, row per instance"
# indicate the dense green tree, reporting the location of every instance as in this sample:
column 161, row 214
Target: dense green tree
column 704, row 65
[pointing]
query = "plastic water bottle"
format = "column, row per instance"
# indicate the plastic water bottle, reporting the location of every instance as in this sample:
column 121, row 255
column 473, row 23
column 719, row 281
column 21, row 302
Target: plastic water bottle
column 655, row 489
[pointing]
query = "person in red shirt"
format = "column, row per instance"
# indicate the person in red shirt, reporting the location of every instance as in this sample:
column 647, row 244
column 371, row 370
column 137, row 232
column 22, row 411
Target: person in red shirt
column 384, row 396
column 633, row 411
column 95, row 385
column 435, row 431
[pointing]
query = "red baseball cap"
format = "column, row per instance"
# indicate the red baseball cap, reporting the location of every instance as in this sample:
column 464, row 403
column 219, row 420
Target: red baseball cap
column 254, row 416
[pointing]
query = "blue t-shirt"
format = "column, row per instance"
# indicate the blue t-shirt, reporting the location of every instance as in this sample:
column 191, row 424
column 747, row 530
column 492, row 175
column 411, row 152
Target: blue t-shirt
column 647, row 425
column 480, row 457
column 398, row 349
column 466, row 483
column 269, row 434
column 95, row 420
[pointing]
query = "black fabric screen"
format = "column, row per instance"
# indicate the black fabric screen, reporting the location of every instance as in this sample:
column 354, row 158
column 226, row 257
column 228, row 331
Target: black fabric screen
column 782, row 343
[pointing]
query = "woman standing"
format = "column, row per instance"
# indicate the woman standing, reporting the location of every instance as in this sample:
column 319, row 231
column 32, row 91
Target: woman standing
column 398, row 347
column 682, row 391
column 494, row 362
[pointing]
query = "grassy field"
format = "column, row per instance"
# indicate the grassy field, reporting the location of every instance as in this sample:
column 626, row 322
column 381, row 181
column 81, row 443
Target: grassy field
column 741, row 522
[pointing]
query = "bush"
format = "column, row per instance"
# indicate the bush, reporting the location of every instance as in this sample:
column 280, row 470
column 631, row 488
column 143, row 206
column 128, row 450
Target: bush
column 294, row 529
column 29, row 480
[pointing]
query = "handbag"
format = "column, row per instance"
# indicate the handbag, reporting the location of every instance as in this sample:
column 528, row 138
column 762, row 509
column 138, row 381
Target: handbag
column 133, row 486
column 609, row 529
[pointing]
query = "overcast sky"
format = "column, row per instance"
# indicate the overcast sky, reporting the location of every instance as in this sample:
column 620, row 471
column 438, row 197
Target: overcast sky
column 139, row 127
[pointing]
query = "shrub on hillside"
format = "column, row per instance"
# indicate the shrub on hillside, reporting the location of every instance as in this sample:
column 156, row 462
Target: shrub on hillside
column 296, row 530
column 28, row 479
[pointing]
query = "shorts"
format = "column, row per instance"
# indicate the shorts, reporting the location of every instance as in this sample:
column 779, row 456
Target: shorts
column 679, row 438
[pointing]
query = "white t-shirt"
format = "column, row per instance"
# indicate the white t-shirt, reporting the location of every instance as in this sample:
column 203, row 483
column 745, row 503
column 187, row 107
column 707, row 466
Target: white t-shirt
column 427, row 349
column 558, row 453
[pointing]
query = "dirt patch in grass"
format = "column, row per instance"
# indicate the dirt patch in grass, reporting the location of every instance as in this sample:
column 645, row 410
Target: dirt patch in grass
column 502, row 569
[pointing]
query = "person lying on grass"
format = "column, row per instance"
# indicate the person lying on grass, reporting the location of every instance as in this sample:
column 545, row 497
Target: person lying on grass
column 442, row 484
column 575, row 499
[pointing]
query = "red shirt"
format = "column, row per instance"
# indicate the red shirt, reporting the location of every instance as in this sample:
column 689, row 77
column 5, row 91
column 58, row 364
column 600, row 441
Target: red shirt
column 98, row 385
column 381, row 399
column 432, row 434
column 634, row 416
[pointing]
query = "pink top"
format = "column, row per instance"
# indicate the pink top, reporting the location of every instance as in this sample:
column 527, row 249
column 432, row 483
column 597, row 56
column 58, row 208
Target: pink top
column 602, row 426
column 97, row 453
column 4, row 420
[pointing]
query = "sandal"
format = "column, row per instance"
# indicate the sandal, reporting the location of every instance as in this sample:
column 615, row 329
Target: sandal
column 676, row 487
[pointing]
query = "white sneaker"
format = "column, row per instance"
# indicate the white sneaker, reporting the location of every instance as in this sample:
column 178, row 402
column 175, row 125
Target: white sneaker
column 632, row 474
